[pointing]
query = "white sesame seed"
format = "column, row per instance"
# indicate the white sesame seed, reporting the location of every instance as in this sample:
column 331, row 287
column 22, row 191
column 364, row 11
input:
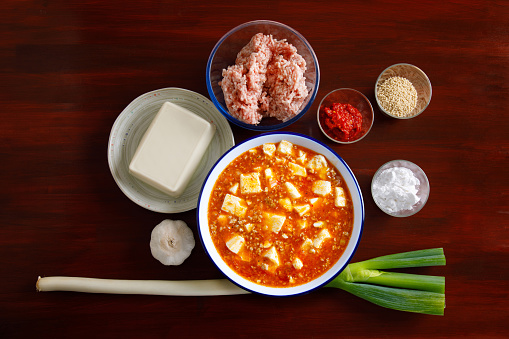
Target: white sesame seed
column 397, row 96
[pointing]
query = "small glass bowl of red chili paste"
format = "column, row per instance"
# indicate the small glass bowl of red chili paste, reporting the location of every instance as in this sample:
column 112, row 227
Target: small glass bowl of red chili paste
column 345, row 115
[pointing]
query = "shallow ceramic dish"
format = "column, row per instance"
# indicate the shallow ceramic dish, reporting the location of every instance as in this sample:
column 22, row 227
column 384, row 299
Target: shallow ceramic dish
column 225, row 52
column 297, row 139
column 129, row 128
column 354, row 98
column 423, row 188
column 419, row 80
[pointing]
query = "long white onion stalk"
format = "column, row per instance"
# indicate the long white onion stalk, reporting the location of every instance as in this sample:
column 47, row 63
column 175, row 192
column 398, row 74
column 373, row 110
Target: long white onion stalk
column 151, row 287
column 399, row 291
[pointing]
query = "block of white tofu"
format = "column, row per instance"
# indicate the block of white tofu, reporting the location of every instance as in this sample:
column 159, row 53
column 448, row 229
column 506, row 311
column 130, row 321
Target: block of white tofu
column 302, row 157
column 269, row 178
column 171, row 149
column 286, row 204
column 339, row 197
column 297, row 263
column 271, row 254
column 317, row 162
column 292, row 190
column 250, row 183
column 269, row 149
column 269, row 174
column 322, row 187
column 314, row 201
column 222, row 219
column 307, row 245
column 319, row 224
column 297, row 169
column 234, row 188
column 302, row 223
column 235, row 243
column 321, row 237
column 248, row 227
column 234, row 205
column 285, row 147
column 302, row 209
column 273, row 222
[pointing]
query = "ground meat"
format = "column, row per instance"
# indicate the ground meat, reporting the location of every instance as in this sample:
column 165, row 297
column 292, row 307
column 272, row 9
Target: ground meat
column 266, row 80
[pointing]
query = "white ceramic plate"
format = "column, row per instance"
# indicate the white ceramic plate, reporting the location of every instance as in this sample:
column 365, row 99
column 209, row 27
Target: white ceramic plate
column 297, row 139
column 129, row 128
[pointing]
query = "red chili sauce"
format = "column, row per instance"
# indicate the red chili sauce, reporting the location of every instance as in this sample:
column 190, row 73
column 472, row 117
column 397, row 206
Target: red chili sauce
column 342, row 122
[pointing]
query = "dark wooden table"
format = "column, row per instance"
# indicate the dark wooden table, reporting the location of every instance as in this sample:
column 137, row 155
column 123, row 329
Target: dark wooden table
column 68, row 68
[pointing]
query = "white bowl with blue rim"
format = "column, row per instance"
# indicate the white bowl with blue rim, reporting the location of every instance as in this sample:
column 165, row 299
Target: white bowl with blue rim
column 297, row 139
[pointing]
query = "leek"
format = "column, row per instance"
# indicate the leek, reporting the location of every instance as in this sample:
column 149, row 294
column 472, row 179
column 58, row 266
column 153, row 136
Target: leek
column 398, row 291
column 149, row 287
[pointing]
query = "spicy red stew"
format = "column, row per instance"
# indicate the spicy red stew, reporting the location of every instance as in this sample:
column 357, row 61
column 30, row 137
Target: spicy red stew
column 280, row 215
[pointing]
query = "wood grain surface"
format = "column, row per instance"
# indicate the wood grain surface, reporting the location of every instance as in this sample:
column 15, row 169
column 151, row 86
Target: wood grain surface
column 68, row 68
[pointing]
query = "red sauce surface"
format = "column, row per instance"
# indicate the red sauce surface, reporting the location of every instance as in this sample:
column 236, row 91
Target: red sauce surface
column 342, row 122
column 250, row 262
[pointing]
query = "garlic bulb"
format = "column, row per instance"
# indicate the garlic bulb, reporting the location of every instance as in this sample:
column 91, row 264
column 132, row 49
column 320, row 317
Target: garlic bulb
column 171, row 242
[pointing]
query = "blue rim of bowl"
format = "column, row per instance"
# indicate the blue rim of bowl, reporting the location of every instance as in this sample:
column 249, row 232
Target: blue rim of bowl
column 258, row 127
column 345, row 142
column 359, row 192
column 394, row 116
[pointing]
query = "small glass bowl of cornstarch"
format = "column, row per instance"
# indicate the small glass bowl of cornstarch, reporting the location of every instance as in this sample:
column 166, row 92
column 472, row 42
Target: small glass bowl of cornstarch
column 403, row 91
column 400, row 188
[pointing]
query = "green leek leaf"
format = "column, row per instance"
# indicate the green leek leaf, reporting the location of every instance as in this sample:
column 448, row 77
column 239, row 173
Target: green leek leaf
column 398, row 291
column 400, row 299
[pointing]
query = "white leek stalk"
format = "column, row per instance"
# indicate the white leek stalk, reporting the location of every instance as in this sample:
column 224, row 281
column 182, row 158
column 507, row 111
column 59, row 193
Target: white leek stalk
column 152, row 287
column 399, row 291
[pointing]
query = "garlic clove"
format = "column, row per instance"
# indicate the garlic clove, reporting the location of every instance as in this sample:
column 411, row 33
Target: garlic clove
column 171, row 242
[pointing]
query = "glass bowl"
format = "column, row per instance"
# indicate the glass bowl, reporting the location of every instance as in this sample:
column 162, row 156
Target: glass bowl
column 423, row 189
column 296, row 139
column 419, row 80
column 224, row 55
column 354, row 98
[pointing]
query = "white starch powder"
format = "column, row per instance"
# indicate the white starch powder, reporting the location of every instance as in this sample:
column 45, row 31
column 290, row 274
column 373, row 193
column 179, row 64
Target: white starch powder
column 395, row 189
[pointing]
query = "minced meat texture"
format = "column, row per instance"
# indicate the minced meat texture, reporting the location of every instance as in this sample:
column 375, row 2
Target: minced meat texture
column 267, row 80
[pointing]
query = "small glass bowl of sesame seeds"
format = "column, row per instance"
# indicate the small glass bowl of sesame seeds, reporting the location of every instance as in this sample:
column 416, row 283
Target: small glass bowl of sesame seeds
column 403, row 91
